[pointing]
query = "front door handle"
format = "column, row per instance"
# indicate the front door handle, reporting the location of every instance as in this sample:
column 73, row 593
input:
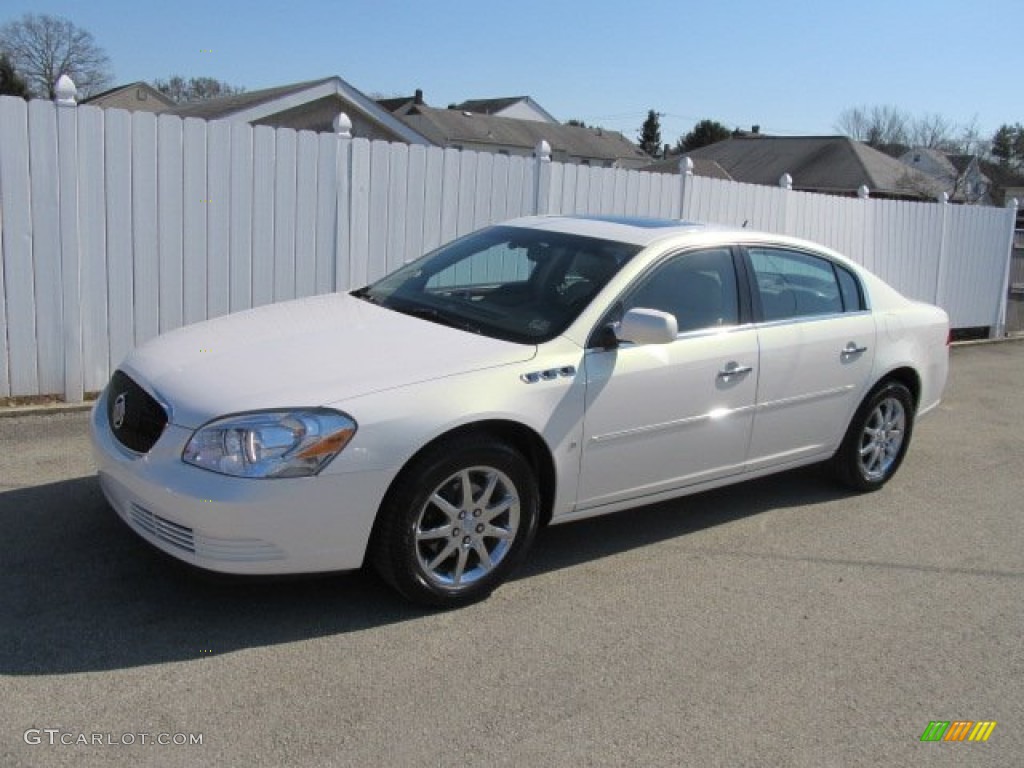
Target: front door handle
column 733, row 369
column 851, row 350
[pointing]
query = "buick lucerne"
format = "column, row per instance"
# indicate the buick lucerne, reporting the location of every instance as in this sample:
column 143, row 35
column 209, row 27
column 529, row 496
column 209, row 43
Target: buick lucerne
column 531, row 373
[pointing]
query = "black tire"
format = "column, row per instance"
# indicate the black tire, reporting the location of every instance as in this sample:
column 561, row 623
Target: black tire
column 442, row 549
column 877, row 438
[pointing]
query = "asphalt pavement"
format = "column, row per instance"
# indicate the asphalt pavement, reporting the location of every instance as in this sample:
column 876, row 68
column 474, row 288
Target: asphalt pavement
column 784, row 622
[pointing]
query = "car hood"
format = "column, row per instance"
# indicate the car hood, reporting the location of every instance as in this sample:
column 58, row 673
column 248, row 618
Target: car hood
column 308, row 352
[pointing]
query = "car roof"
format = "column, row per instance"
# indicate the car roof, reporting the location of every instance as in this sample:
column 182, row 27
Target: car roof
column 644, row 232
column 624, row 229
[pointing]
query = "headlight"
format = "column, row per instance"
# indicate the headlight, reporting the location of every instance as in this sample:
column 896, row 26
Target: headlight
column 270, row 443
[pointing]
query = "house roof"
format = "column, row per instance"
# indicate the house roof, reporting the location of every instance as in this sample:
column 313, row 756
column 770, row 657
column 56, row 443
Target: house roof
column 953, row 173
column 118, row 89
column 702, row 166
column 835, row 164
column 226, row 106
column 255, row 105
column 490, row 106
column 1001, row 175
column 494, row 106
column 395, row 103
column 961, row 162
column 452, row 126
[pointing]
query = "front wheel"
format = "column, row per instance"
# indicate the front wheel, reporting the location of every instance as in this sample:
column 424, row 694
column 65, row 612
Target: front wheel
column 456, row 522
column 877, row 439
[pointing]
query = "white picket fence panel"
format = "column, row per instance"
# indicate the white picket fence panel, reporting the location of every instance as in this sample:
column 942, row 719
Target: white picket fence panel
column 117, row 226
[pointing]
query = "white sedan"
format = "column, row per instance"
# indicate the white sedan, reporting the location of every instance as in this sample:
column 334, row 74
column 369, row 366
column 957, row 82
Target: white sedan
column 540, row 371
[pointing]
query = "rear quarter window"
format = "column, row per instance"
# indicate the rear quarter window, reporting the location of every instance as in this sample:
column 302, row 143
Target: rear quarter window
column 849, row 288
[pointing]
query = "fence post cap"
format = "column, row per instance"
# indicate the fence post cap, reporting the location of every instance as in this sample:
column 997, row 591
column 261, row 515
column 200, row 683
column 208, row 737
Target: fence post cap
column 1012, row 203
column 686, row 166
column 343, row 125
column 943, row 197
column 786, row 181
column 66, row 91
column 863, row 192
column 543, row 151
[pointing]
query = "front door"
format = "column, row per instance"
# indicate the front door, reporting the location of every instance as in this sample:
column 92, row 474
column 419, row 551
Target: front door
column 663, row 416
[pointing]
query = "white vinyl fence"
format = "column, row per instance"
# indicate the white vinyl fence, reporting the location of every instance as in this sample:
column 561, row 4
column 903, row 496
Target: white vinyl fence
column 117, row 226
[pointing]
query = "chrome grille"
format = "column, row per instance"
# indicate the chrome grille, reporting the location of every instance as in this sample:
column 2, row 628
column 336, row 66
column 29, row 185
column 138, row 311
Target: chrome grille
column 135, row 418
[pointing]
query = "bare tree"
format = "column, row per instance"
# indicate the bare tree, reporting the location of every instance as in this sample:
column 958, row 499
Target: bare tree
column 853, row 122
column 892, row 129
column 180, row 90
column 875, row 126
column 43, row 47
column 932, row 131
column 969, row 140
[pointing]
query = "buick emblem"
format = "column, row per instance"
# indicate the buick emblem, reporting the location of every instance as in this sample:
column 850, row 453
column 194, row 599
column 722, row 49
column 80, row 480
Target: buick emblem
column 120, row 407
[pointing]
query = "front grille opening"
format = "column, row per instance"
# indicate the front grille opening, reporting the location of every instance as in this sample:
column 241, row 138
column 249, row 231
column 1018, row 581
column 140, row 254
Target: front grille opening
column 179, row 536
column 135, row 418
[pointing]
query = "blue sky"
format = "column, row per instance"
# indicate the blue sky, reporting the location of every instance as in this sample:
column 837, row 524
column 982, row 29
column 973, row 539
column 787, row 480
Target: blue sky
column 790, row 67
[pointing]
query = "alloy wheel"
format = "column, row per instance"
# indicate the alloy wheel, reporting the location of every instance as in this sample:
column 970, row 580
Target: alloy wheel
column 882, row 438
column 467, row 527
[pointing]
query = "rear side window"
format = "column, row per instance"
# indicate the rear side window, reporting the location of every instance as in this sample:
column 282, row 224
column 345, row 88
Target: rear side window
column 794, row 284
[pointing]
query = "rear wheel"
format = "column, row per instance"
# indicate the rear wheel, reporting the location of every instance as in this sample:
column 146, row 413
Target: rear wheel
column 877, row 438
column 456, row 522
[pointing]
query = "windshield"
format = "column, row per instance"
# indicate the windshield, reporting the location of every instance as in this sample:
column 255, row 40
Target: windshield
column 518, row 284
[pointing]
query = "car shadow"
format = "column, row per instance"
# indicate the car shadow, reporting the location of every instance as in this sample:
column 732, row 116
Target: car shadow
column 83, row 593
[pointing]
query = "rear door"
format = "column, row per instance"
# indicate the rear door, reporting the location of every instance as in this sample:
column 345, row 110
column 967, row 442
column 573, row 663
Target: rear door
column 817, row 346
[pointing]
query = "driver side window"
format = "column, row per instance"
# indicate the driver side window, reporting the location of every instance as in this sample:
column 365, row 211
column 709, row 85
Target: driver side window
column 698, row 287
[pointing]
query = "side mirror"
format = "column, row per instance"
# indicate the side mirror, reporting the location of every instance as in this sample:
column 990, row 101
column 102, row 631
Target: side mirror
column 648, row 326
column 604, row 337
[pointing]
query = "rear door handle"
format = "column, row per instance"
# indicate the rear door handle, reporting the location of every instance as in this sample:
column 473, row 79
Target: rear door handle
column 733, row 369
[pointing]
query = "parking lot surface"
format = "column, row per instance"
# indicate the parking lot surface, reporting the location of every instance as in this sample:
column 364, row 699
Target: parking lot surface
column 784, row 622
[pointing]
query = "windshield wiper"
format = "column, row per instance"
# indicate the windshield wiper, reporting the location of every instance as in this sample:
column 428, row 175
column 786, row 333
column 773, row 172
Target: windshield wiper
column 364, row 294
column 434, row 316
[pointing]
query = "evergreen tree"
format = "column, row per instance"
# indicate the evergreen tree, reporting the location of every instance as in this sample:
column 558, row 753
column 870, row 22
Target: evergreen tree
column 1002, row 145
column 650, row 134
column 11, row 84
column 705, row 132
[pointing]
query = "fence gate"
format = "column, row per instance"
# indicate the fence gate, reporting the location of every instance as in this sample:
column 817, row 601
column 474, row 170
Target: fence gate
column 1015, row 301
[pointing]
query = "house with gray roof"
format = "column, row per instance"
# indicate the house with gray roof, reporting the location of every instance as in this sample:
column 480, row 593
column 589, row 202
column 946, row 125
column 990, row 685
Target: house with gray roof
column 463, row 129
column 835, row 165
column 701, row 167
column 960, row 176
column 517, row 107
column 135, row 97
column 1007, row 185
column 400, row 105
column 310, row 105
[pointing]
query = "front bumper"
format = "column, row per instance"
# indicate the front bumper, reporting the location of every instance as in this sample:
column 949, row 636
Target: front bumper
column 236, row 525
